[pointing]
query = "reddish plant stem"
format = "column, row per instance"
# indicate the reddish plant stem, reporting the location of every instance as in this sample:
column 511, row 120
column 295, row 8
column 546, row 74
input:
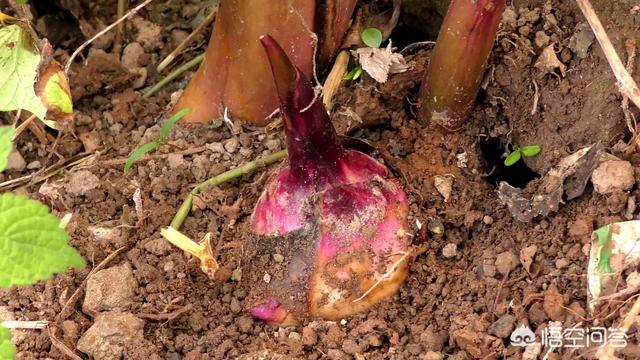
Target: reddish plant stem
column 457, row 65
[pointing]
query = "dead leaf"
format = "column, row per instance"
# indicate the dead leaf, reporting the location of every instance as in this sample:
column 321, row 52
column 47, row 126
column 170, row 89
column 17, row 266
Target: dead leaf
column 548, row 61
column 379, row 63
column 526, row 257
column 444, row 185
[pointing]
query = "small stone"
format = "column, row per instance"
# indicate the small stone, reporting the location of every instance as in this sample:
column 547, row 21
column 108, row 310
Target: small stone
column 266, row 278
column 525, row 30
column 70, row 331
column 351, row 347
column 91, row 141
column 553, row 304
column 231, row 145
column 542, row 39
column 245, row 324
column 236, row 274
column 216, row 147
column 16, row 161
column 336, row 354
column 168, row 266
column 487, row 219
column 141, row 77
column 106, row 235
column 34, row 165
column 613, row 176
column 272, row 144
column 131, row 55
column 489, row 270
column 278, row 258
column 175, row 161
column 506, row 262
column 81, row 182
column 581, row 228
column 433, row 355
column 234, row 306
column 503, row 327
column 200, row 167
column 309, row 336
column 149, row 34
column 561, row 263
column 374, row 340
column 295, row 336
column 109, row 289
column 444, row 185
column 450, row 250
column 110, row 332
column 581, row 40
column 158, row 247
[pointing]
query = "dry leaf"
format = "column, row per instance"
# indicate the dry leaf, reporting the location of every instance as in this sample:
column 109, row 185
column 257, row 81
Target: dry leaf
column 548, row 61
column 380, row 62
column 526, row 257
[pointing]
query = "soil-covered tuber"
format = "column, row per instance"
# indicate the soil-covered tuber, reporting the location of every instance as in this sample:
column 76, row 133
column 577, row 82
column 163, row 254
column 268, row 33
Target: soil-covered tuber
column 335, row 217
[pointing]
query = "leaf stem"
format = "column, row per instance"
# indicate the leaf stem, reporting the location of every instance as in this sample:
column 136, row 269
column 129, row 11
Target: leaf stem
column 226, row 176
column 172, row 75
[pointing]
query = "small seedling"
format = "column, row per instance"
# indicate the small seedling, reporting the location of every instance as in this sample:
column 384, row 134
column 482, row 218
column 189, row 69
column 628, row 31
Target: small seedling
column 527, row 151
column 371, row 37
column 150, row 146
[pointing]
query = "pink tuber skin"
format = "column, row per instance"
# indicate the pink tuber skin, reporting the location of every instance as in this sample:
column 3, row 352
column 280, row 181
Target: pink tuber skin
column 457, row 65
column 337, row 216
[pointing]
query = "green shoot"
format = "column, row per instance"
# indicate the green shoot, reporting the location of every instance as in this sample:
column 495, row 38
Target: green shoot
column 150, row 146
column 354, row 74
column 516, row 155
column 371, row 37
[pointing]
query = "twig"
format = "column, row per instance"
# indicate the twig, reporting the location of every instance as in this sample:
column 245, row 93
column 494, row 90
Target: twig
column 102, row 32
column 49, row 172
column 31, row 325
column 22, row 126
column 167, row 60
column 630, row 45
column 172, row 75
column 536, row 97
column 64, row 313
column 335, row 78
column 62, row 347
column 119, row 34
column 242, row 170
column 166, row 316
column 606, row 351
column 626, row 84
column 122, row 161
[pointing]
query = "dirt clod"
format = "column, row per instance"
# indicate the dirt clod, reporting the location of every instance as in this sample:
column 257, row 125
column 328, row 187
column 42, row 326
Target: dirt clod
column 506, row 262
column 503, row 327
column 110, row 289
column 554, row 304
column 111, row 331
column 81, row 182
column 612, row 176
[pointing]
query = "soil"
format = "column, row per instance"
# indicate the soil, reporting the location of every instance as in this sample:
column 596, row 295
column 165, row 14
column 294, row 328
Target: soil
column 464, row 295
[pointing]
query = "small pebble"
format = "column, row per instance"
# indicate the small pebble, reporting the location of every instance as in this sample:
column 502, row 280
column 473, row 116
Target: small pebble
column 278, row 258
column 487, row 220
column 266, row 278
column 450, row 250
column 231, row 145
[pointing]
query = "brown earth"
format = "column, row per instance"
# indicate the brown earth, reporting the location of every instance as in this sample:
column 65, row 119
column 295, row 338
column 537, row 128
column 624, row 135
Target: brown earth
column 460, row 306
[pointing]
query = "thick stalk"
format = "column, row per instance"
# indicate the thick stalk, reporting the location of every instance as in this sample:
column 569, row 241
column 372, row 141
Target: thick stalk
column 457, row 65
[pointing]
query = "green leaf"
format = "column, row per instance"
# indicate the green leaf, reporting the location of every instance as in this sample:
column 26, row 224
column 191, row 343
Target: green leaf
column 7, row 350
column 18, row 68
column 354, row 74
column 150, row 146
column 6, row 135
column 371, row 37
column 531, row 150
column 32, row 245
column 605, row 235
column 513, row 158
column 164, row 132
